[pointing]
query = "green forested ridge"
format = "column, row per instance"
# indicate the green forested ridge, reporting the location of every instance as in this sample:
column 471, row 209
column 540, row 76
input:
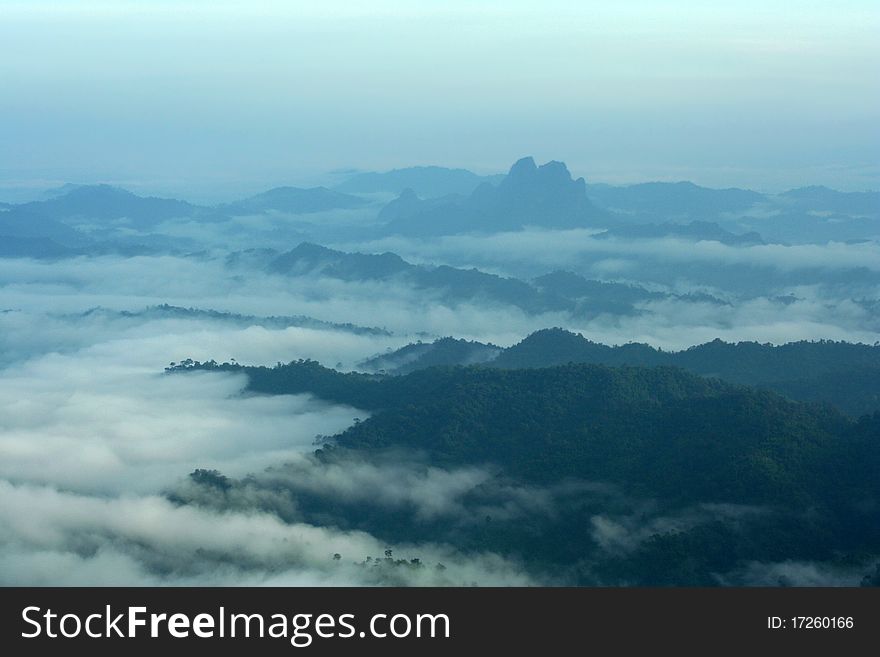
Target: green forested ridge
column 841, row 373
column 598, row 474
column 661, row 431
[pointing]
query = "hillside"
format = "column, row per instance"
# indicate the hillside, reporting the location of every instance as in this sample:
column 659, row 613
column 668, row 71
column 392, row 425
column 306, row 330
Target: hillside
column 659, row 430
column 584, row 474
column 558, row 291
column 840, row 373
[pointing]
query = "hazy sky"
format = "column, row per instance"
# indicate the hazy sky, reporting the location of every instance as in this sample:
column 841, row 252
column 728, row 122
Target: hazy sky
column 213, row 97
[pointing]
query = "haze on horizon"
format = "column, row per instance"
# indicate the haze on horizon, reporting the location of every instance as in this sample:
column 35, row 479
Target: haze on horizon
column 209, row 100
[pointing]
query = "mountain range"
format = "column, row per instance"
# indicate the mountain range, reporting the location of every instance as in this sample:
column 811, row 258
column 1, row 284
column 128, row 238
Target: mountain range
column 426, row 182
column 556, row 292
column 433, row 201
column 105, row 203
column 844, row 374
column 294, row 200
column 529, row 195
column 693, row 231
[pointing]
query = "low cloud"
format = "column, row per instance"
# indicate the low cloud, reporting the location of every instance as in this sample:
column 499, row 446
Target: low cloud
column 98, row 422
column 675, row 324
column 624, row 533
column 91, row 439
column 569, row 248
column 92, row 432
column 395, row 480
column 796, row 573
column 37, row 293
column 57, row 538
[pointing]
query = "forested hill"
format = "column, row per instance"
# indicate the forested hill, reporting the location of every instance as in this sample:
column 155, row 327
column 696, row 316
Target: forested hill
column 740, row 362
column 841, row 373
column 595, row 474
column 658, row 431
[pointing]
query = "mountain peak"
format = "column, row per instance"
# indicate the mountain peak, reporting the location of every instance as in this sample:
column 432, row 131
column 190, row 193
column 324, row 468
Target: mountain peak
column 523, row 167
column 295, row 200
column 550, row 174
column 312, row 249
column 101, row 190
column 529, row 195
column 555, row 167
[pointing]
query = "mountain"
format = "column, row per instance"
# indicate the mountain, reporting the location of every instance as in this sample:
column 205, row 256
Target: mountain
column 32, row 247
column 529, row 195
column 61, row 190
column 817, row 215
column 294, row 200
column 427, row 182
column 421, row 355
column 565, row 292
column 583, row 474
column 660, row 430
column 448, row 284
column 798, row 216
column 609, row 297
column 843, row 374
column 408, row 204
column 107, row 203
column 42, row 231
column 695, row 230
column 800, row 226
column 308, row 258
column 823, row 199
column 614, row 298
column 666, row 201
column 166, row 311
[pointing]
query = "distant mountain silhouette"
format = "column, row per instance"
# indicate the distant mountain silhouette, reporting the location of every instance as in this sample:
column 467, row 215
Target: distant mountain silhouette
column 795, row 225
column 427, row 182
column 420, row 355
column 166, row 311
column 409, row 205
column 695, row 230
column 614, row 298
column 446, row 283
column 55, row 192
column 105, row 202
column 294, row 200
column 434, row 201
column 667, row 201
column 545, row 197
column 32, row 247
column 24, row 223
column 561, row 291
column 823, row 199
column 308, row 258
column 798, row 216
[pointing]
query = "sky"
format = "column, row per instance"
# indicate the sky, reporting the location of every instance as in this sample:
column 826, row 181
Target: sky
column 209, row 99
